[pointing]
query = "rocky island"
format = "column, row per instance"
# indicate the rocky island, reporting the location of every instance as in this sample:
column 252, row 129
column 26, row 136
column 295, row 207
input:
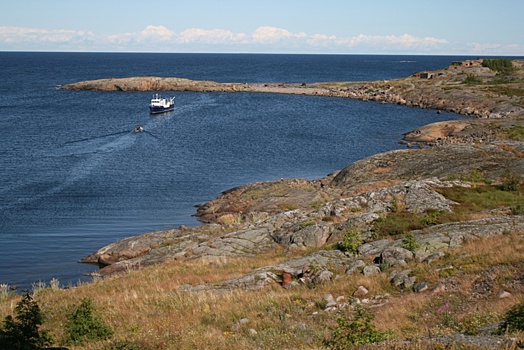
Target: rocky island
column 388, row 215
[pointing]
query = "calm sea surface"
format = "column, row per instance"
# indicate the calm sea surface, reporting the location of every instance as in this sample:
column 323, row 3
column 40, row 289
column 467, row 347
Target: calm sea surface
column 75, row 178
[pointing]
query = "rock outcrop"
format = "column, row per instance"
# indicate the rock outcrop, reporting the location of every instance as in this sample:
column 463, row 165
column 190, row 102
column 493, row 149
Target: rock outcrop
column 298, row 215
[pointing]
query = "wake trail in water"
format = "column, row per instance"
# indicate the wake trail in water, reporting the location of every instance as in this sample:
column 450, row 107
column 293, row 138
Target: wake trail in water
column 86, row 155
column 47, row 185
column 98, row 137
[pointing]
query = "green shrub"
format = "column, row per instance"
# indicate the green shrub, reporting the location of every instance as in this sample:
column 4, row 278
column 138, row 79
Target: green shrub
column 431, row 217
column 517, row 210
column 22, row 331
column 83, row 325
column 472, row 80
column 410, row 243
column 351, row 333
column 500, row 65
column 510, row 182
column 516, row 133
column 514, row 319
column 475, row 175
column 351, row 241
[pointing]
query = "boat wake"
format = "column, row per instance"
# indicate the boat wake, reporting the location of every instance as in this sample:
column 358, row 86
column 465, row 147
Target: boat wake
column 86, row 156
column 99, row 137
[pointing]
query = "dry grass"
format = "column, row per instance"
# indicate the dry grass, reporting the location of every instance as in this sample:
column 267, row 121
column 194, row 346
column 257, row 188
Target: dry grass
column 511, row 149
column 368, row 187
column 145, row 308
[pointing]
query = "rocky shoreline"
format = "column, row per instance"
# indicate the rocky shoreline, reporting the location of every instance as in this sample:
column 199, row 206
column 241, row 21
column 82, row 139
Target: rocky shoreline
column 254, row 218
column 297, row 215
column 444, row 90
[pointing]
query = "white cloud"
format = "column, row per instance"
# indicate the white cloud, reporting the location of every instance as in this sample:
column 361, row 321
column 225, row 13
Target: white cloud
column 391, row 42
column 31, row 35
column 214, row 36
column 270, row 35
column 159, row 33
column 496, row 49
column 151, row 34
column 263, row 39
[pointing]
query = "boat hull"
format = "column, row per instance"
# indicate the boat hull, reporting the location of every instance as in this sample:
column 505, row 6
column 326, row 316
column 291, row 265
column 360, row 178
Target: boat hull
column 157, row 109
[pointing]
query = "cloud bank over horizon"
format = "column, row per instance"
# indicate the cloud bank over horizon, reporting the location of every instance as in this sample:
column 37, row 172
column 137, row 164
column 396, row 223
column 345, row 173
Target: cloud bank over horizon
column 264, row 39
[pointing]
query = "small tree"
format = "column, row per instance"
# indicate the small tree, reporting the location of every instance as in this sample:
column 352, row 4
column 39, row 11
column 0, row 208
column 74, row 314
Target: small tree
column 510, row 181
column 22, row 331
column 83, row 324
column 410, row 243
column 351, row 333
column 350, row 242
column 514, row 319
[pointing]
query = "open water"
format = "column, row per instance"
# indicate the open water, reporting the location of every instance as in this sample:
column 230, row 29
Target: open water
column 73, row 177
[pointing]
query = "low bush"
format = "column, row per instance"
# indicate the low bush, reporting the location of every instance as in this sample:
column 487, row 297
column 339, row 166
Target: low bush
column 472, row 80
column 349, row 333
column 351, row 241
column 514, row 319
column 410, row 243
column 510, row 182
column 84, row 325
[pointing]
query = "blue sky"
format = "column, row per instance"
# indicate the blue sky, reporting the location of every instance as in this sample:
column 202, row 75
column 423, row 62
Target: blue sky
column 462, row 27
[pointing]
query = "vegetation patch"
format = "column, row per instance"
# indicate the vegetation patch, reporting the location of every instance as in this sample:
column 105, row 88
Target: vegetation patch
column 500, row 65
column 513, row 320
column 351, row 241
column 481, row 198
column 147, row 312
column 472, row 80
column 23, row 331
column 475, row 175
column 402, row 221
column 509, row 194
column 84, row 325
column 516, row 133
column 410, row 243
column 507, row 90
column 350, row 333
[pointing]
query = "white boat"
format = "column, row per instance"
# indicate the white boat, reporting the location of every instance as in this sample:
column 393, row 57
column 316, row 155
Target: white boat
column 160, row 105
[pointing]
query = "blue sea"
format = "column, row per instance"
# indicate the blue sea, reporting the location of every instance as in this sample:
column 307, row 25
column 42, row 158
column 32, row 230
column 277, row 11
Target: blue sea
column 74, row 177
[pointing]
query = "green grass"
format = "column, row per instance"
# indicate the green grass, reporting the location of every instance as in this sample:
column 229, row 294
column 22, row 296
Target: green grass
column 472, row 80
column 482, row 198
column 471, row 200
column 516, row 133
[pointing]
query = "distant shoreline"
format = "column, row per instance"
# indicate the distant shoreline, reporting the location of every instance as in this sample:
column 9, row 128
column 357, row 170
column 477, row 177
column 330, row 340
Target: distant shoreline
column 441, row 90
